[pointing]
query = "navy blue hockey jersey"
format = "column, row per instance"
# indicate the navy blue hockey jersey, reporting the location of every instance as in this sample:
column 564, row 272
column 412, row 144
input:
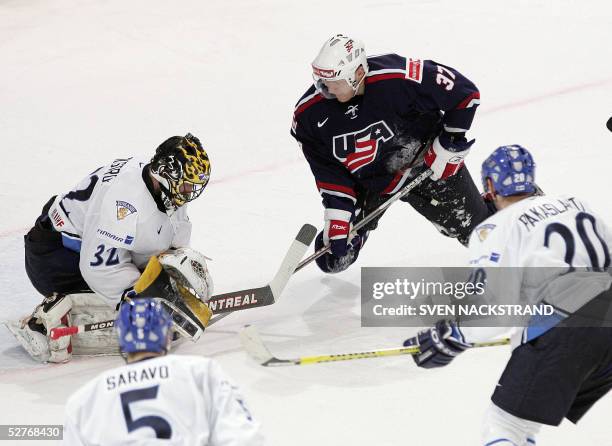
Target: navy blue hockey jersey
column 367, row 144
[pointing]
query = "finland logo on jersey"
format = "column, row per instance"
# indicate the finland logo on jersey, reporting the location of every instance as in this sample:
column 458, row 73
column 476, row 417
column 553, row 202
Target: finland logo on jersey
column 358, row 149
column 484, row 230
column 124, row 209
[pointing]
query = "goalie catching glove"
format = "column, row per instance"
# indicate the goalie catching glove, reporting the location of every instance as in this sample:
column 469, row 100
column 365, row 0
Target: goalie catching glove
column 180, row 280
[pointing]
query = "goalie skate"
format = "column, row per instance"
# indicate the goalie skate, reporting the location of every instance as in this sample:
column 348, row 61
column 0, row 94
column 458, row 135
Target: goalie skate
column 33, row 342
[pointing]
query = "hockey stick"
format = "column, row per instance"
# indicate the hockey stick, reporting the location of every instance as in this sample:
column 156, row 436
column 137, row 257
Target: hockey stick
column 371, row 216
column 59, row 332
column 270, row 293
column 255, row 347
column 224, row 304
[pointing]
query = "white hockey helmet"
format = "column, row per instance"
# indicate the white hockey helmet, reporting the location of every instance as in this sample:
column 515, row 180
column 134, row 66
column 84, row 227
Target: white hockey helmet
column 338, row 59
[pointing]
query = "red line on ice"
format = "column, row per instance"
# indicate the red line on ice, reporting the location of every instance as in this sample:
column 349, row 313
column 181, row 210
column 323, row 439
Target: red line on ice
column 278, row 166
column 543, row 97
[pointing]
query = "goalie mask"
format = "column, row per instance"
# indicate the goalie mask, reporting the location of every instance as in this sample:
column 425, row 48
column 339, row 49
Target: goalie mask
column 182, row 168
column 338, row 59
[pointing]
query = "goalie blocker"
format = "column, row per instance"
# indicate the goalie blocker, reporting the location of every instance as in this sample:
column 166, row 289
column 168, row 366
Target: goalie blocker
column 179, row 280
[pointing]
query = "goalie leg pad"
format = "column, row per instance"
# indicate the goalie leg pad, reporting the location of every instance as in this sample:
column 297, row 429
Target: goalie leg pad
column 32, row 331
column 33, row 342
column 55, row 312
column 90, row 308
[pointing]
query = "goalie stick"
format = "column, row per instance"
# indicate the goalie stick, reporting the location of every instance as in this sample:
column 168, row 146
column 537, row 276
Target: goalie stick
column 270, row 293
column 224, row 304
column 255, row 347
column 59, row 332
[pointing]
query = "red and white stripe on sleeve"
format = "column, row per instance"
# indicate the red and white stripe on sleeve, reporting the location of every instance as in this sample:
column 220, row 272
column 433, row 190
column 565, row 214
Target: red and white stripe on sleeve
column 337, row 190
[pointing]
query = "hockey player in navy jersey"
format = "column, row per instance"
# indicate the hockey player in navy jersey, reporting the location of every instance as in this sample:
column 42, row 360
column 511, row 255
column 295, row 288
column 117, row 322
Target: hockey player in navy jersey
column 554, row 250
column 369, row 124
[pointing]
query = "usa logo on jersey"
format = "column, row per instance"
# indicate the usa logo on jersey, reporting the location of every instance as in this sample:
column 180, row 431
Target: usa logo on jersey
column 358, row 149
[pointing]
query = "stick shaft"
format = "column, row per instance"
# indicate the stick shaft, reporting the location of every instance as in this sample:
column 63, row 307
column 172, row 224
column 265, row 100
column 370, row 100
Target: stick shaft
column 59, row 332
column 371, row 216
column 305, row 360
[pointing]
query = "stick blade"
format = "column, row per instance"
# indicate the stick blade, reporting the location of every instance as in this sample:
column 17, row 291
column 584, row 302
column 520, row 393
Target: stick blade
column 292, row 259
column 254, row 346
column 307, row 234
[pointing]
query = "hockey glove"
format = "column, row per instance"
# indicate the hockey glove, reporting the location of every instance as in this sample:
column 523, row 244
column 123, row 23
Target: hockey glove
column 329, row 263
column 446, row 154
column 336, row 231
column 156, row 282
column 439, row 345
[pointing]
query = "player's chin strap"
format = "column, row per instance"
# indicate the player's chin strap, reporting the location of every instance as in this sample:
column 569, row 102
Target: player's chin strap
column 356, row 87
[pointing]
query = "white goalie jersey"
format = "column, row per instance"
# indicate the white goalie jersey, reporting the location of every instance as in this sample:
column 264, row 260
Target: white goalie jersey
column 112, row 219
column 170, row 400
column 543, row 249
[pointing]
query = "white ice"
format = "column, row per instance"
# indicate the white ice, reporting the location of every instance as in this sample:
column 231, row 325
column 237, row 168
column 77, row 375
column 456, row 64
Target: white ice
column 83, row 82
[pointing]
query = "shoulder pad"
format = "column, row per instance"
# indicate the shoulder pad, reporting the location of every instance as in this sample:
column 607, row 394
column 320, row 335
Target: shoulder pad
column 310, row 98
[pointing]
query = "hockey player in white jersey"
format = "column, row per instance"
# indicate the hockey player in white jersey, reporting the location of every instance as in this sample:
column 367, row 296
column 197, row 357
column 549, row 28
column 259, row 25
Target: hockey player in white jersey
column 561, row 364
column 100, row 236
column 158, row 398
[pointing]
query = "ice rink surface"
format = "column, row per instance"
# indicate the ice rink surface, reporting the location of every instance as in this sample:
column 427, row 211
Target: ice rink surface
column 83, row 82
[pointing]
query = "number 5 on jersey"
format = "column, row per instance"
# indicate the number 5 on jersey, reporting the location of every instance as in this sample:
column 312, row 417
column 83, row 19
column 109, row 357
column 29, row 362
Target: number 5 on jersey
column 160, row 425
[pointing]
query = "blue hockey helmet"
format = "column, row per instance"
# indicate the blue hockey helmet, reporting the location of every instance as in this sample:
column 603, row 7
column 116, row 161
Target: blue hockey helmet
column 143, row 325
column 511, row 169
